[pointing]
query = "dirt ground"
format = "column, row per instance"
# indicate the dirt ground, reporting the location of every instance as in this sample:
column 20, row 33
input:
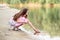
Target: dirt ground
column 5, row 33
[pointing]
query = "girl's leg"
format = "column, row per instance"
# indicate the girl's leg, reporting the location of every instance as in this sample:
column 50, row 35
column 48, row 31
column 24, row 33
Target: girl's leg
column 17, row 28
column 14, row 28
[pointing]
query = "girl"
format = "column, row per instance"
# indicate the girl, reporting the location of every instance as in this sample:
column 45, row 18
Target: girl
column 21, row 18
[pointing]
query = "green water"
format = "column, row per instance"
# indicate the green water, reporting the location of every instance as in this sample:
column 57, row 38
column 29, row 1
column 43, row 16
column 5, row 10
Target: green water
column 47, row 19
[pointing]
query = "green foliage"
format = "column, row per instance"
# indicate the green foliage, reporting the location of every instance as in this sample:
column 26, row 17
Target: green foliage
column 43, row 1
column 15, row 2
column 23, row 1
column 27, row 1
column 53, row 1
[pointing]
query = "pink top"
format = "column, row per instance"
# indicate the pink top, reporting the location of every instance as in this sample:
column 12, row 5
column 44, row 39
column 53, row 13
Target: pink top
column 21, row 21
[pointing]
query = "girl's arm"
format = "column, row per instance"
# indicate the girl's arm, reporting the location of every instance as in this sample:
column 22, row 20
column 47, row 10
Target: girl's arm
column 35, row 29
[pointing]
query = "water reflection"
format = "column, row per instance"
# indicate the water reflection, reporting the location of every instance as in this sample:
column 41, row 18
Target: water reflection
column 46, row 19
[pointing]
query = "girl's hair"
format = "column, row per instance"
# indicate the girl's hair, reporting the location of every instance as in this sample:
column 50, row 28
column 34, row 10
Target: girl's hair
column 21, row 13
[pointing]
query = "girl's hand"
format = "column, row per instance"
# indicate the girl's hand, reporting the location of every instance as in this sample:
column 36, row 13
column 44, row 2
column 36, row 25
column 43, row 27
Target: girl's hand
column 36, row 32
